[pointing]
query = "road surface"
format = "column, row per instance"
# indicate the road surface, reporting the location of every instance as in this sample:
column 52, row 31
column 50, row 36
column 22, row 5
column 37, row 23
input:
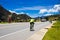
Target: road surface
column 19, row 31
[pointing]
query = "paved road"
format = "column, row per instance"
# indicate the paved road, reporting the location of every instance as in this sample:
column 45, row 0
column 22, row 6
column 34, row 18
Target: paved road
column 19, row 31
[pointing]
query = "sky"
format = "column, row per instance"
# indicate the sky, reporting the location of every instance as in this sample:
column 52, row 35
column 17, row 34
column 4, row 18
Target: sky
column 33, row 8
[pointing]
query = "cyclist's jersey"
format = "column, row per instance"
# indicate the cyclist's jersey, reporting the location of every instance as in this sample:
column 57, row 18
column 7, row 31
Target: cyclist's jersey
column 32, row 20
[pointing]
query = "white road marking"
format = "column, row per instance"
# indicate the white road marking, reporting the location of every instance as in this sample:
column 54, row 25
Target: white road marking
column 13, row 33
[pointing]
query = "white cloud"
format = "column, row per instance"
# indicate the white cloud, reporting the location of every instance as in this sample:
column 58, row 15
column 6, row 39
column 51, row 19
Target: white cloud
column 43, row 10
column 15, row 12
column 57, row 7
column 48, row 14
column 22, row 13
column 35, row 15
column 27, row 13
column 29, row 8
column 32, row 8
column 48, row 11
column 54, row 9
column 12, row 11
column 18, row 13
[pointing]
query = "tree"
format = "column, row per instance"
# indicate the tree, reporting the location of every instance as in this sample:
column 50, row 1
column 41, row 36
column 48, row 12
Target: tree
column 14, row 17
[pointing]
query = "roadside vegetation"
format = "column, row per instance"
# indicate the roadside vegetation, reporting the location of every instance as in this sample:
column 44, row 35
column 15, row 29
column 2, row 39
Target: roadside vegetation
column 53, row 33
column 3, row 22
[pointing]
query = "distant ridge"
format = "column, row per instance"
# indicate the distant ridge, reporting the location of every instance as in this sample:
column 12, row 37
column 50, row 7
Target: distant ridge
column 3, row 13
column 3, row 10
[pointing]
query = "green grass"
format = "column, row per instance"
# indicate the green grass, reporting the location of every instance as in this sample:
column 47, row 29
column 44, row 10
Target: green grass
column 3, row 22
column 53, row 33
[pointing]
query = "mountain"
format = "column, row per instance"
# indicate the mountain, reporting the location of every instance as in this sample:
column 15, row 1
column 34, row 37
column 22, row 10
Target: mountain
column 24, row 17
column 3, row 14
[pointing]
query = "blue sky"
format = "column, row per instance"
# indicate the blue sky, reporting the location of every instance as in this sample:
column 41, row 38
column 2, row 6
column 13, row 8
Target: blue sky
column 32, row 8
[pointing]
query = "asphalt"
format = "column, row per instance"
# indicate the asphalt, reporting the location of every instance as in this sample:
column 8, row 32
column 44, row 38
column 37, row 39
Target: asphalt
column 19, row 31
